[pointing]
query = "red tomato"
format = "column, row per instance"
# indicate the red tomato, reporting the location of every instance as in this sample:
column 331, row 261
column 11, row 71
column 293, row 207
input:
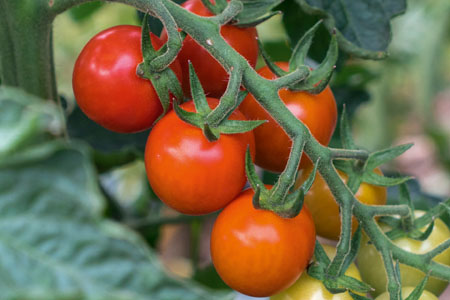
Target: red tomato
column 212, row 75
column 191, row 174
column 105, row 83
column 258, row 253
column 317, row 112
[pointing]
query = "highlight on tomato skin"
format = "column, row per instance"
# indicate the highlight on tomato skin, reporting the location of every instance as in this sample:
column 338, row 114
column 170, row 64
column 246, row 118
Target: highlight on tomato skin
column 212, row 75
column 106, row 86
column 258, row 253
column 317, row 112
column 191, row 174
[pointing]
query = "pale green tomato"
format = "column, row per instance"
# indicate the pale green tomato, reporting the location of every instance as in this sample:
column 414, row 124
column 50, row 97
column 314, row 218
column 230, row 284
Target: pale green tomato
column 309, row 288
column 371, row 265
column 426, row 295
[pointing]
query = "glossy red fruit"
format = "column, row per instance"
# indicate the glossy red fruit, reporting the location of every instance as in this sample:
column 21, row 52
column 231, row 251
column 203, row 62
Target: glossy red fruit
column 105, row 83
column 212, row 75
column 258, row 253
column 317, row 112
column 191, row 174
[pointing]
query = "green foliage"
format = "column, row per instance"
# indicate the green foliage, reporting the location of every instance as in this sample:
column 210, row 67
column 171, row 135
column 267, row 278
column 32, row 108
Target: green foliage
column 364, row 25
column 54, row 243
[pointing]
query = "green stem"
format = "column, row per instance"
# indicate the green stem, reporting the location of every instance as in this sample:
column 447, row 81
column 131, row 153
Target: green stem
column 26, row 52
column 231, row 11
column 228, row 101
column 287, row 178
column 349, row 154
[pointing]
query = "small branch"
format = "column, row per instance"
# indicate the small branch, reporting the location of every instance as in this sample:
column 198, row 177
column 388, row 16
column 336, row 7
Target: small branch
column 293, row 77
column 287, row 178
column 344, row 245
column 362, row 155
column 228, row 101
column 438, row 250
column 387, row 210
column 232, row 10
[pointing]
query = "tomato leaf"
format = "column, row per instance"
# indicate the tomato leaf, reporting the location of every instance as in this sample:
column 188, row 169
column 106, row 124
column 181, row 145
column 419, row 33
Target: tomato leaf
column 422, row 236
column 255, row 12
column 405, row 197
column 253, row 178
column 354, row 248
column 270, row 64
column 192, row 118
column 53, row 235
column 363, row 26
column 383, row 156
column 238, row 126
column 346, row 132
column 350, row 283
column 320, row 76
column 390, row 221
column 198, row 95
column 320, row 255
column 301, row 49
column 312, row 176
column 376, row 179
column 24, row 119
column 418, row 290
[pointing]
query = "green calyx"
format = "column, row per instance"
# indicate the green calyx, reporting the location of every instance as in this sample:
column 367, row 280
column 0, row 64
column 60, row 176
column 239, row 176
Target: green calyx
column 279, row 199
column 300, row 77
column 340, row 283
column 165, row 82
column 200, row 118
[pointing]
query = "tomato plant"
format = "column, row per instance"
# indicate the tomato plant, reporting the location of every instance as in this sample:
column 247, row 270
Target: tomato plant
column 368, row 257
column 307, row 287
column 105, row 83
column 317, row 112
column 426, row 295
column 325, row 210
column 258, row 253
column 212, row 75
column 207, row 175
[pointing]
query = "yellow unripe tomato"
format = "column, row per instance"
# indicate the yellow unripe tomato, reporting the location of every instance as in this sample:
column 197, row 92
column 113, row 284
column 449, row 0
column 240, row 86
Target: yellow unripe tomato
column 426, row 295
column 309, row 288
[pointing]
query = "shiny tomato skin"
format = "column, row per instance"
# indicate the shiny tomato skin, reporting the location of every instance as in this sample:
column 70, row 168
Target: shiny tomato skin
column 191, row 174
column 307, row 287
column 426, row 295
column 105, row 83
column 368, row 257
column 258, row 253
column 324, row 208
column 212, row 75
column 317, row 112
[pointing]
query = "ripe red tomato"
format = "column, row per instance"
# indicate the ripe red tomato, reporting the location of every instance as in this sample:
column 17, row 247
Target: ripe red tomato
column 212, row 75
column 317, row 112
column 191, row 174
column 258, row 253
column 105, row 83
column 325, row 210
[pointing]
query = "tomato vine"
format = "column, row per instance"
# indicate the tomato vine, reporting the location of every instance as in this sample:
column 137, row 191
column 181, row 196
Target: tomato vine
column 27, row 62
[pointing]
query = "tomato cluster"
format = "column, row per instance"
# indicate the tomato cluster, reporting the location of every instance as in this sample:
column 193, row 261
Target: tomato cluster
column 255, row 251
